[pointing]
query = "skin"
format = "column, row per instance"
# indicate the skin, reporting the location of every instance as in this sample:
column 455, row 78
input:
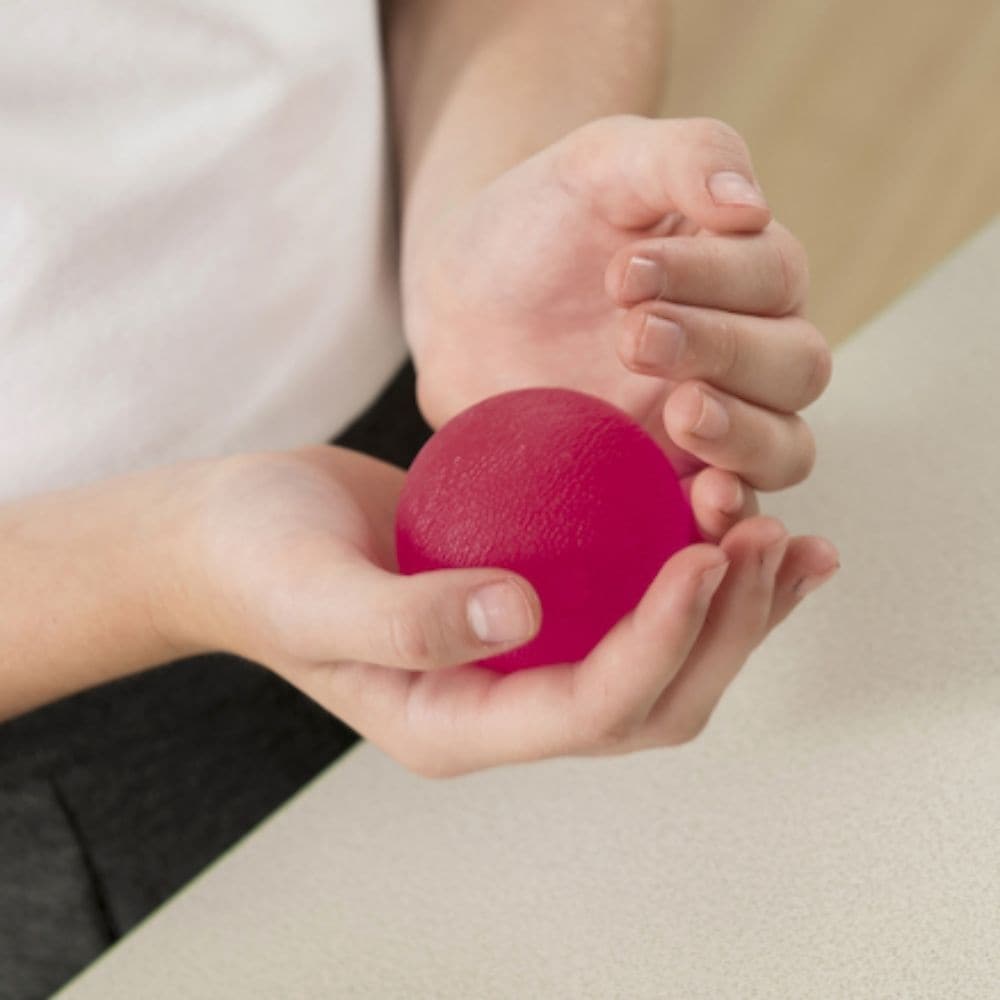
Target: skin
column 386, row 653
column 519, row 220
column 562, row 308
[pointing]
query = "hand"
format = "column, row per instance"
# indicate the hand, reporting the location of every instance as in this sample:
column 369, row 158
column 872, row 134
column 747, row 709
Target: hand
column 290, row 562
column 608, row 242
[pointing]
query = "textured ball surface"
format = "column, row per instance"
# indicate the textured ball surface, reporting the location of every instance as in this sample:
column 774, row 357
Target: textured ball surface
column 559, row 486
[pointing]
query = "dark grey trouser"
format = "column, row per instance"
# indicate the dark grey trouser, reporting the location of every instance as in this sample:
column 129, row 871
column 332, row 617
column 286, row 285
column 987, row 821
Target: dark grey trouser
column 112, row 799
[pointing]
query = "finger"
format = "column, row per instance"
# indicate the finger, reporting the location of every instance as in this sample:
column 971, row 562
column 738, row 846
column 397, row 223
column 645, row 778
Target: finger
column 617, row 685
column 768, row 450
column 426, row 621
column 809, row 563
column 736, row 623
column 765, row 273
column 719, row 500
column 569, row 708
column 636, row 170
column 784, row 364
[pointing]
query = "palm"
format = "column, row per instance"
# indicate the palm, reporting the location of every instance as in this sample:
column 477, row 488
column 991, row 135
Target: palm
column 521, row 270
column 276, row 523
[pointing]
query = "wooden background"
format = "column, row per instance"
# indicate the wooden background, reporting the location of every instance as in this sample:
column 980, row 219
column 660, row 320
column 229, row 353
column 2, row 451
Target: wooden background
column 874, row 128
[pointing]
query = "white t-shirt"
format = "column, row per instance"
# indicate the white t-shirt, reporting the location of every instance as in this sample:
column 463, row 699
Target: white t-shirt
column 196, row 254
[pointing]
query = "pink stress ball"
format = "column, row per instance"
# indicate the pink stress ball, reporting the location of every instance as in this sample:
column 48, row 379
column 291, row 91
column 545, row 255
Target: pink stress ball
column 559, row 486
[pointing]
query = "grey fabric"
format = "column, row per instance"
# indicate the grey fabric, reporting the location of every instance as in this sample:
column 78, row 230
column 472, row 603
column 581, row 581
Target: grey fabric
column 47, row 896
column 113, row 799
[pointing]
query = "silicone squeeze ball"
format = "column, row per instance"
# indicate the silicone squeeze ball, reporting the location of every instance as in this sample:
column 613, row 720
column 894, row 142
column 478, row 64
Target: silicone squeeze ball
column 559, row 486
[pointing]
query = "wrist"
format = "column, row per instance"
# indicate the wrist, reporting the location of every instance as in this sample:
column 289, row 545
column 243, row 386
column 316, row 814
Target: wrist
column 175, row 586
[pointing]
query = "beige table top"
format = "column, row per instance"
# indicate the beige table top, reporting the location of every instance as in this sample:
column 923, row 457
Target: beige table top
column 834, row 832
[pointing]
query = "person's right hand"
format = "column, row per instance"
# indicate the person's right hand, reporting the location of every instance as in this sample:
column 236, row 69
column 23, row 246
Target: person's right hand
column 290, row 562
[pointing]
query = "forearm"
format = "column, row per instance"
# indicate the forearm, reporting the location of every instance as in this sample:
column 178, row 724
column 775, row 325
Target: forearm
column 83, row 574
column 478, row 87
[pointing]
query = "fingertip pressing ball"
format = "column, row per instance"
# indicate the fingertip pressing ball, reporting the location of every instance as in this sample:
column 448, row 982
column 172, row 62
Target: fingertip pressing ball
column 559, row 486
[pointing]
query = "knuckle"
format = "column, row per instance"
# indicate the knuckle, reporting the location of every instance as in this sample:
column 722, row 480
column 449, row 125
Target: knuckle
column 577, row 153
column 410, row 640
column 630, row 335
column 717, row 134
column 803, row 267
column 685, row 728
column 684, row 264
column 806, row 457
column 791, row 271
column 785, row 295
column 610, row 729
column 822, row 367
column 728, row 347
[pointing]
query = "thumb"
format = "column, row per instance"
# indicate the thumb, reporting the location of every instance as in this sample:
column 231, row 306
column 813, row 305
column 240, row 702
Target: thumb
column 635, row 171
column 436, row 619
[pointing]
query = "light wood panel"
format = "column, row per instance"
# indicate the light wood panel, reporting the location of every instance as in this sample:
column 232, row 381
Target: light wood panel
column 874, row 128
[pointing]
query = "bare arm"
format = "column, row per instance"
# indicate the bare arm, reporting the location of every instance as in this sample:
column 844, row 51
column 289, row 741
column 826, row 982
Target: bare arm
column 83, row 576
column 478, row 87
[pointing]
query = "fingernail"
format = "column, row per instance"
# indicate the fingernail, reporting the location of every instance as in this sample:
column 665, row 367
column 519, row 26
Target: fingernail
column 644, row 279
column 730, row 188
column 661, row 344
column 771, row 557
column 499, row 612
column 710, row 581
column 713, row 420
column 810, row 583
column 735, row 504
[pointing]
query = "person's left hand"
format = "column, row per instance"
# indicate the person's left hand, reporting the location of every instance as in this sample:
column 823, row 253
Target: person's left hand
column 575, row 268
